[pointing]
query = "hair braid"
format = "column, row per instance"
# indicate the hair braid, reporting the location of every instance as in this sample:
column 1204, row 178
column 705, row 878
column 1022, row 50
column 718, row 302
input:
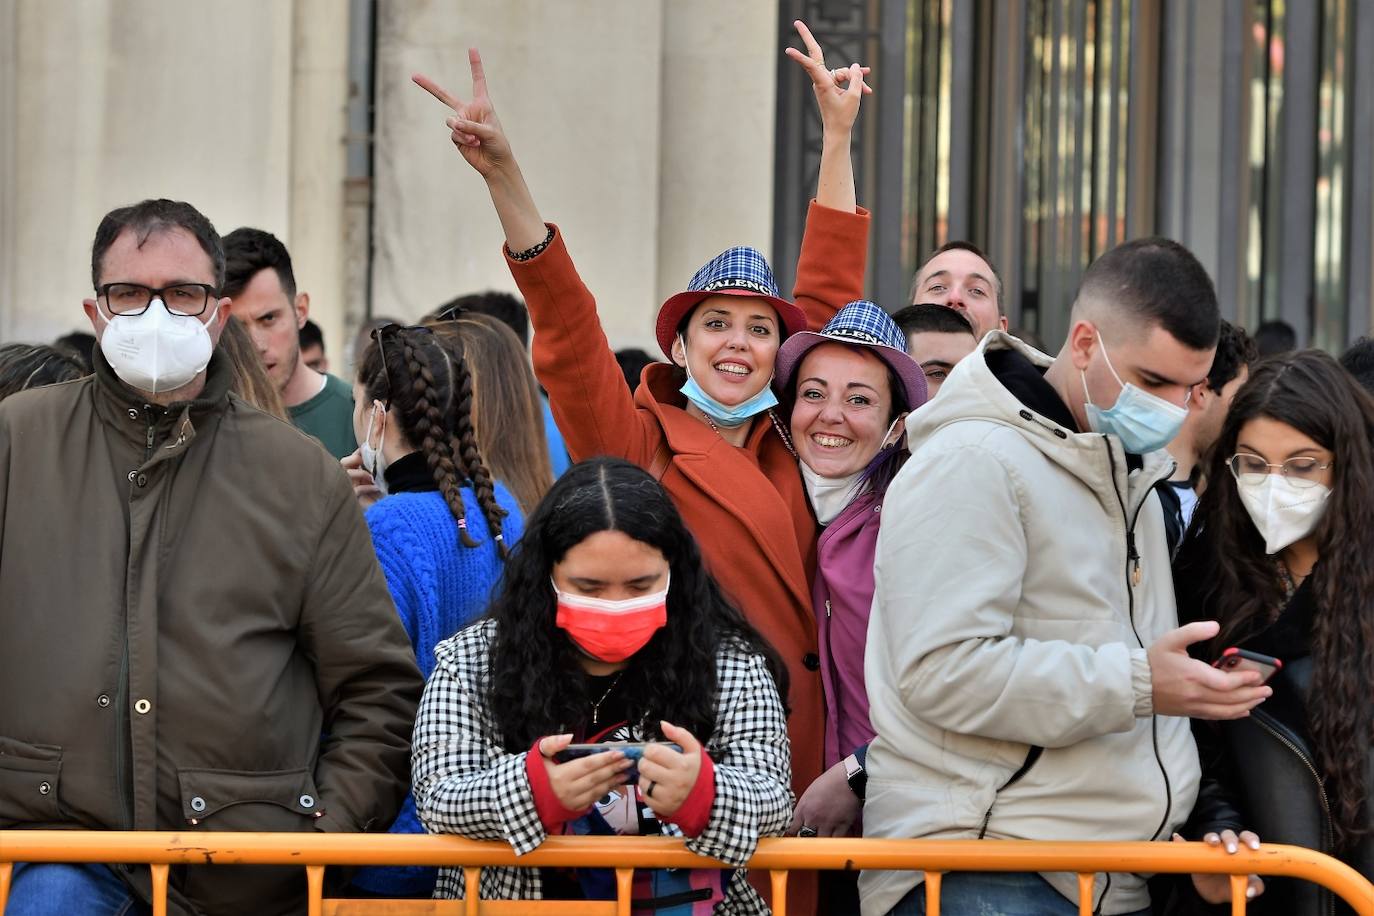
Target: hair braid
column 470, row 456
column 427, row 419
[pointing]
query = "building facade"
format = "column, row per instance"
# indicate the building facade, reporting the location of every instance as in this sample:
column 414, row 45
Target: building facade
column 658, row 132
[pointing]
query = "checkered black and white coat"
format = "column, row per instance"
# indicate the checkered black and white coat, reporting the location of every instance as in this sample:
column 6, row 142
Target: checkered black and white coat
column 466, row 783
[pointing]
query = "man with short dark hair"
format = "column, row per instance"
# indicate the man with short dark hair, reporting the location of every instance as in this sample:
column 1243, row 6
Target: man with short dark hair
column 197, row 635
column 959, row 276
column 1207, row 408
column 937, row 337
column 1043, row 693
column 1359, row 362
column 259, row 278
column 312, row 346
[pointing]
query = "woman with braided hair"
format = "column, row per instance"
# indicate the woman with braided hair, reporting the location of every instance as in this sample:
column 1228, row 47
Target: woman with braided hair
column 441, row 526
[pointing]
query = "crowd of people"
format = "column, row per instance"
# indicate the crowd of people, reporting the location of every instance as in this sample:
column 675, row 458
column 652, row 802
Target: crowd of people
column 827, row 568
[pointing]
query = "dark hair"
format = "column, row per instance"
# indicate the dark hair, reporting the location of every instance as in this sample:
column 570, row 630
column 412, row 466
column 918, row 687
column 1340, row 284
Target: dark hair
column 248, row 251
column 504, row 307
column 632, row 361
column 427, row 388
column 1275, row 337
column 537, row 686
column 150, row 217
column 959, row 245
column 1223, row 556
column 931, row 318
column 1158, row 282
column 1359, row 362
column 25, row 366
column 1235, row 350
column 507, row 417
column 311, row 335
column 78, row 344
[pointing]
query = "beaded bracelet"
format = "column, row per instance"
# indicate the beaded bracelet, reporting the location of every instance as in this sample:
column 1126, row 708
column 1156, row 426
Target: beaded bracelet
column 529, row 253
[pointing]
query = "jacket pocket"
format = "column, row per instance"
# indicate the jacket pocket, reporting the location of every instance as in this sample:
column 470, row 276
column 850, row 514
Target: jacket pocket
column 282, row 800
column 30, row 775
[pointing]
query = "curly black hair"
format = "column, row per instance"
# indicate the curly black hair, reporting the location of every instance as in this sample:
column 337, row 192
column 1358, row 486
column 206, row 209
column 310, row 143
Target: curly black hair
column 537, row 684
column 1223, row 553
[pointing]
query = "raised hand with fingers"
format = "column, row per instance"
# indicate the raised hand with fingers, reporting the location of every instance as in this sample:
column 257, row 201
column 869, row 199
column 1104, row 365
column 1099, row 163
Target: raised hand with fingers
column 579, row 783
column 838, row 91
column 474, row 127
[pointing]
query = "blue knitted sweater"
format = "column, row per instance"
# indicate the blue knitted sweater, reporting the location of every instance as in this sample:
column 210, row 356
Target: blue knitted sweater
column 439, row 586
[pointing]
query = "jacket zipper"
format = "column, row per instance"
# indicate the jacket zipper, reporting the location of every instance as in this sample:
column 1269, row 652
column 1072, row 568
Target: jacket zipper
column 1031, row 757
column 1327, row 831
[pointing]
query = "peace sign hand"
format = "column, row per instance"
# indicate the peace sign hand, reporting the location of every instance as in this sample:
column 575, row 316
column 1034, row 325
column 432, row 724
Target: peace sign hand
column 474, row 127
column 839, row 104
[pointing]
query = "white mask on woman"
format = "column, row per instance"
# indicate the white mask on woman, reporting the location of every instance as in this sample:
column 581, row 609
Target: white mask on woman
column 1283, row 513
column 830, row 495
column 373, row 462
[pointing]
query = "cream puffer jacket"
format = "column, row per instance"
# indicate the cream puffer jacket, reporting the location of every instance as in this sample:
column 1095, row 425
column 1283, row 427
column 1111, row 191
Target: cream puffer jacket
column 1006, row 661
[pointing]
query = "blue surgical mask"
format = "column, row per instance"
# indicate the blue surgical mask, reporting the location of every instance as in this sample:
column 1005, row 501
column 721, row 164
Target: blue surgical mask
column 1143, row 422
column 722, row 414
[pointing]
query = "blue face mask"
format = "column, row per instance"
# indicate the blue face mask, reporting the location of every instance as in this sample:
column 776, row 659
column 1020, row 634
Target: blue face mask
column 722, row 414
column 1144, row 423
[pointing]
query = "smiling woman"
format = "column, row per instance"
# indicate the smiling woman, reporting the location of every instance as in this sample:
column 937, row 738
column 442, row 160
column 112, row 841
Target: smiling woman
column 705, row 425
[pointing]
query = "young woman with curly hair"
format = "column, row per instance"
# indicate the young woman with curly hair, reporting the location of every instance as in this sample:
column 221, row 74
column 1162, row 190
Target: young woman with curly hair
column 1279, row 554
column 607, row 628
column 440, row 525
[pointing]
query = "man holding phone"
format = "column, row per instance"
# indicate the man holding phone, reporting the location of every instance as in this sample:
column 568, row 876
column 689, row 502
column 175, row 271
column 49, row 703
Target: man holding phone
column 1043, row 694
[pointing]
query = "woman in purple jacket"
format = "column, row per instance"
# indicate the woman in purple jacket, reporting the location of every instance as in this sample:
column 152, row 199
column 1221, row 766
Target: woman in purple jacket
column 849, row 389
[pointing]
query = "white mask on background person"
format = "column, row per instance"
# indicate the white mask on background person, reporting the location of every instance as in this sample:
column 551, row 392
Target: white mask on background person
column 156, row 351
column 1283, row 513
column 373, row 462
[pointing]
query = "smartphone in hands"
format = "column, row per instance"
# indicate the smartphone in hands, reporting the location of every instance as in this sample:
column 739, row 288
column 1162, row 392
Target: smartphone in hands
column 1236, row 659
column 631, row 749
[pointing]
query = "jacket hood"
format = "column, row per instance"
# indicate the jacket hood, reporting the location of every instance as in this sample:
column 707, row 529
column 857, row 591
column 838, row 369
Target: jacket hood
column 977, row 391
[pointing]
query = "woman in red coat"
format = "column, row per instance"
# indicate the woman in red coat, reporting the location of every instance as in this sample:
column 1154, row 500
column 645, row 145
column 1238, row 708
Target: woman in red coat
column 705, row 424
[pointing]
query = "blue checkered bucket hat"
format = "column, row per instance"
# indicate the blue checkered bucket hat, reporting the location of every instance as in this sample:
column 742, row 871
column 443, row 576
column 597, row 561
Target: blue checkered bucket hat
column 738, row 271
column 863, row 324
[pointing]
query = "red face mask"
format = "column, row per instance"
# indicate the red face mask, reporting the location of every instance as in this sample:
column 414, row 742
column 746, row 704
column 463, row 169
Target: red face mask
column 612, row 631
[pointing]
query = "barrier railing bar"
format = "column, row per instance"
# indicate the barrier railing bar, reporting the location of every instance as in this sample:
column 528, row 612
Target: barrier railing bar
column 1085, row 893
column 776, row 854
column 624, row 885
column 314, row 882
column 160, row 889
column 1239, row 884
column 933, row 881
column 472, row 890
column 5, row 869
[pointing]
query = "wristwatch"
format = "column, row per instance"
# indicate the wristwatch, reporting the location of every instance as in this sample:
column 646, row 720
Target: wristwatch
column 856, row 776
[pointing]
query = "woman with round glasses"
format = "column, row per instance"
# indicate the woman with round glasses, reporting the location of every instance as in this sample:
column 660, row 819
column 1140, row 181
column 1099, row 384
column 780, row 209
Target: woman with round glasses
column 1280, row 554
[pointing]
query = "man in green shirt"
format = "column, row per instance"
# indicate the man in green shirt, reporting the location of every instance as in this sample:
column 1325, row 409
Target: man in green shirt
column 259, row 279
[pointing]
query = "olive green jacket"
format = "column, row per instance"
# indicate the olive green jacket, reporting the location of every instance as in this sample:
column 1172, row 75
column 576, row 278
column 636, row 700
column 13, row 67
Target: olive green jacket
column 194, row 631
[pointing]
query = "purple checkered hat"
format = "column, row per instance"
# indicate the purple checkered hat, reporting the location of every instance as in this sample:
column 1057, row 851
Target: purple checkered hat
column 862, row 324
column 740, row 271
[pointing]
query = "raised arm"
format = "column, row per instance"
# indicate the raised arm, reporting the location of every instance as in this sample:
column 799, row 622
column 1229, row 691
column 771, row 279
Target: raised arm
column 572, row 357
column 834, row 252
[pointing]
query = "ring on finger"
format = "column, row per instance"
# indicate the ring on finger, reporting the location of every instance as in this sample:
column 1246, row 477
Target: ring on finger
column 649, row 792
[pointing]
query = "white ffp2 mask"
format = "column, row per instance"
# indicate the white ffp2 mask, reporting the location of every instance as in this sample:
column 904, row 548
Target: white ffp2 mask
column 1283, row 513
column 156, row 351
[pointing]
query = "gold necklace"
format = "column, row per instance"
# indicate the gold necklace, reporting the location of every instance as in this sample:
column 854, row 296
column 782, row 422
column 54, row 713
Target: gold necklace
column 777, row 425
column 596, row 707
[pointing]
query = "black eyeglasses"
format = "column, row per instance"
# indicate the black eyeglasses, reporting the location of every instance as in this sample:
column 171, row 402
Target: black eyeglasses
column 134, row 298
column 393, row 330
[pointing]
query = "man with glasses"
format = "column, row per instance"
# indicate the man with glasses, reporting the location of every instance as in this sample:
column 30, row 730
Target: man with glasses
column 259, row 278
column 196, row 633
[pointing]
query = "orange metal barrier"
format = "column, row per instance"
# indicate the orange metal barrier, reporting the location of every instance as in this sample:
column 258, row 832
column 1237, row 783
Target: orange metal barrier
column 624, row 854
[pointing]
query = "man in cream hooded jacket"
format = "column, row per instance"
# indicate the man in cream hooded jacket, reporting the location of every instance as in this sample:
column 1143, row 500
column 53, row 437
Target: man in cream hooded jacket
column 1017, row 600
